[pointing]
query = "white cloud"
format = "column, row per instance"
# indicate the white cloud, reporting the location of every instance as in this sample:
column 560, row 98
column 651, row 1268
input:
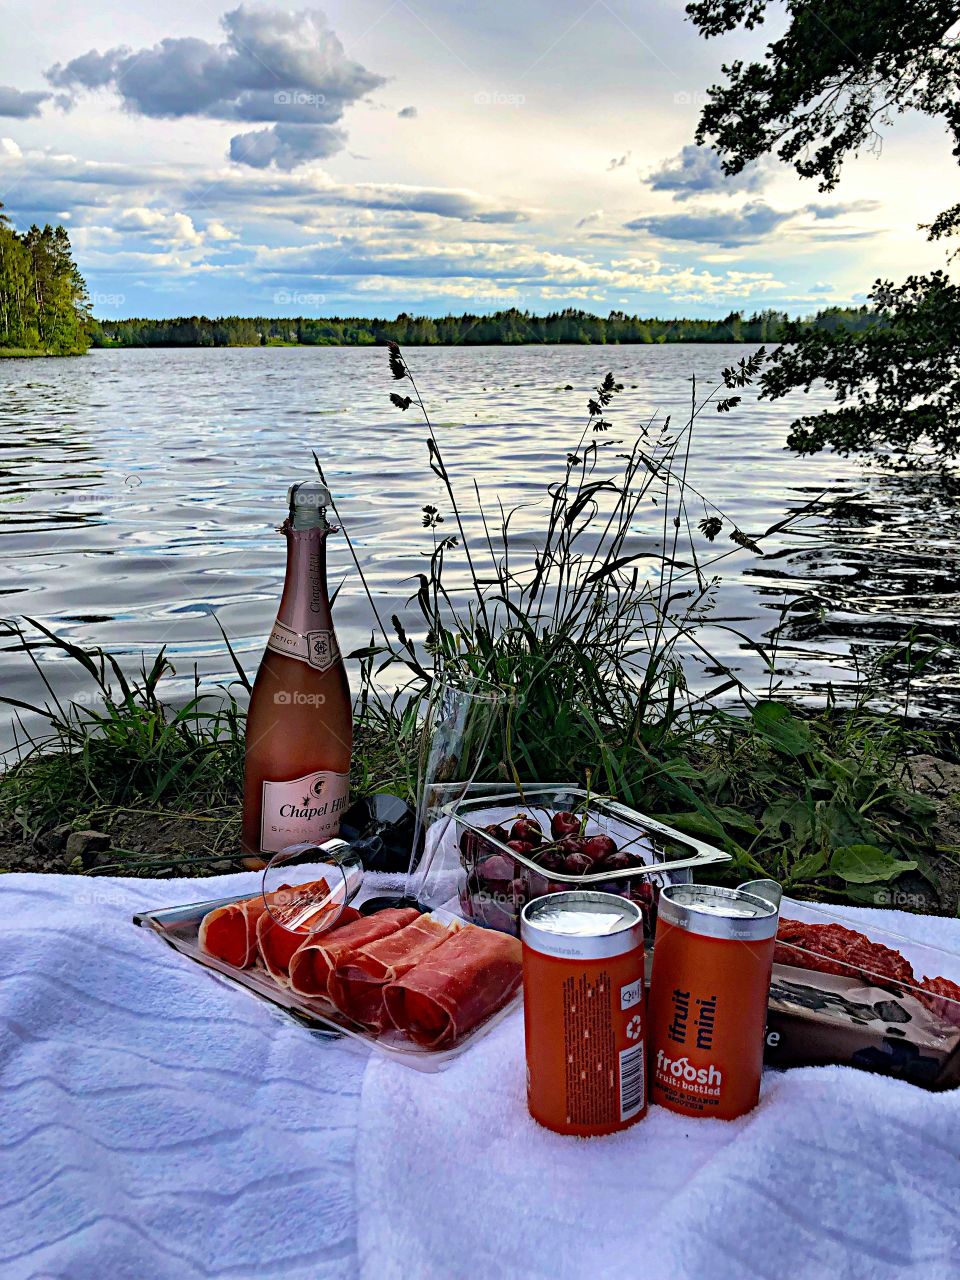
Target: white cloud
column 160, row 226
column 698, row 169
column 283, row 68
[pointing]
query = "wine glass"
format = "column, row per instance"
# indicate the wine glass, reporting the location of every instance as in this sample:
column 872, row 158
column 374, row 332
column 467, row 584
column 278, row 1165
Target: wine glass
column 307, row 886
column 461, row 713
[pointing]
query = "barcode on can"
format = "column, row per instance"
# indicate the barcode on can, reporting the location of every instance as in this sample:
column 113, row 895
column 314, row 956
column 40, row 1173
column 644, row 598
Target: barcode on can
column 633, row 1092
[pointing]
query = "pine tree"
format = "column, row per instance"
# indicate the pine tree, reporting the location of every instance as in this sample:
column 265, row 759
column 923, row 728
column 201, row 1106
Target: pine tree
column 44, row 305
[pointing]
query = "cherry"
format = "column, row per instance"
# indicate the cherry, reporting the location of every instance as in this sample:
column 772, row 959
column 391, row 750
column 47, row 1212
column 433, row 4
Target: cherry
column 527, row 829
column 577, row 864
column 520, row 846
column 517, row 892
column 600, row 848
column 642, row 892
column 497, row 831
column 617, row 861
column 551, row 860
column 564, row 823
column 495, row 870
column 466, row 903
column 571, row 844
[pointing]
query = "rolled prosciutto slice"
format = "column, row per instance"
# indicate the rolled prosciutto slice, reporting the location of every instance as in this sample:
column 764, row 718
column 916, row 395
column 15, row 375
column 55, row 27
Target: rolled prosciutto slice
column 356, row 984
column 318, row 956
column 230, row 932
column 470, row 975
column 293, row 917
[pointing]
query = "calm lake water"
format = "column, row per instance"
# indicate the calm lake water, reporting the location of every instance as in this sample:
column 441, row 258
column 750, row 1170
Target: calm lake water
column 140, row 490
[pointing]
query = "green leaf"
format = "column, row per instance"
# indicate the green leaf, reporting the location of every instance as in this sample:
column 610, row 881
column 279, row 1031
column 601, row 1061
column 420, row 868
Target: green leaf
column 920, row 808
column 866, row 864
column 678, row 768
column 807, row 867
column 775, row 722
column 692, row 824
column 735, row 818
column 797, row 816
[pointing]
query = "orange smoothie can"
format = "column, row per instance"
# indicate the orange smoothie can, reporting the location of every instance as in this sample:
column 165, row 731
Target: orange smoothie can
column 583, row 1008
column 712, row 958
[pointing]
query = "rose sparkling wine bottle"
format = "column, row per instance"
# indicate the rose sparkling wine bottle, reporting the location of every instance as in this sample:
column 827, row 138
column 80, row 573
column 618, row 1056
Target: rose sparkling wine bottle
column 300, row 723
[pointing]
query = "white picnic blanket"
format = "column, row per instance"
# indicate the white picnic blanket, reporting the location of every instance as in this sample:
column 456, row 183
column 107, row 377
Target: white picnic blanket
column 158, row 1123
column 837, row 1175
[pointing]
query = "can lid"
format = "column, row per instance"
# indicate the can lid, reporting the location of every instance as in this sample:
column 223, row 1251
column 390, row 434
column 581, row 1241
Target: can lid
column 582, row 924
column 715, row 912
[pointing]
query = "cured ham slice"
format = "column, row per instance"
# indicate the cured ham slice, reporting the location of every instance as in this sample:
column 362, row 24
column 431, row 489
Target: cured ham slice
column 295, row 914
column 230, row 932
column 316, row 959
column 356, row 984
column 470, row 975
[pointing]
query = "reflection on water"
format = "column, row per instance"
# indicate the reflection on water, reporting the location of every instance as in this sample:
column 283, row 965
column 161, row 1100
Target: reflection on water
column 140, row 490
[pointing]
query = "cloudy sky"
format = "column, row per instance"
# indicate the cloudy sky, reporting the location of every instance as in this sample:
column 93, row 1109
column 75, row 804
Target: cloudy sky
column 439, row 155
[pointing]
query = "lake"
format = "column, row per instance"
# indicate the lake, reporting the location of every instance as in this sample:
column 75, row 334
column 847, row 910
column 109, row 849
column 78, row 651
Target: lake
column 140, row 492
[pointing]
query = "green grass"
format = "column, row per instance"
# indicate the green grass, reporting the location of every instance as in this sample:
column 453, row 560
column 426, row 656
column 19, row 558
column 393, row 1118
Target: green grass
column 814, row 800
column 121, row 745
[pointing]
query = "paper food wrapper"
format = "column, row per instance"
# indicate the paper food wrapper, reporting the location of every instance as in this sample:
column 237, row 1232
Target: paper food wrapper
column 819, row 1018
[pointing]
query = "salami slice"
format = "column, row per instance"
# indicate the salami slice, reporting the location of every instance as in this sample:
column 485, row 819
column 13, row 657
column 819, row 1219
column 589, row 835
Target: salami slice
column 295, row 914
column 356, row 984
column 312, row 965
column 469, row 976
column 942, row 997
column 830, row 948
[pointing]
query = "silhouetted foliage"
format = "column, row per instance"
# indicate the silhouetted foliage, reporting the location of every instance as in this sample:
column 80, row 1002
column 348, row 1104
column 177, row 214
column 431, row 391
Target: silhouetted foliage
column 839, row 70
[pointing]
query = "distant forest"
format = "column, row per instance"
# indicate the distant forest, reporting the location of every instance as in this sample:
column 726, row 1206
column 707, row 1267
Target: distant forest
column 501, row 328
column 43, row 299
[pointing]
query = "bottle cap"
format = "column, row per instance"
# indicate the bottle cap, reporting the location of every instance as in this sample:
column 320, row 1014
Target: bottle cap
column 308, row 501
column 308, row 493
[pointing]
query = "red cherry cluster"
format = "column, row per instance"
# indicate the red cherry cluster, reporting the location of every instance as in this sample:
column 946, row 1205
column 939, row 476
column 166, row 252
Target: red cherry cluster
column 497, row 887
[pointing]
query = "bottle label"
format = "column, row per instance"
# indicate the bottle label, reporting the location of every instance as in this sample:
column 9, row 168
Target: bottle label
column 319, row 649
column 303, row 810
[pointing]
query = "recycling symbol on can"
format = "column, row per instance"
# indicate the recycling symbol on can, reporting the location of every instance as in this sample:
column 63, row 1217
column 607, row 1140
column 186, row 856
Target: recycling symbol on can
column 634, row 1029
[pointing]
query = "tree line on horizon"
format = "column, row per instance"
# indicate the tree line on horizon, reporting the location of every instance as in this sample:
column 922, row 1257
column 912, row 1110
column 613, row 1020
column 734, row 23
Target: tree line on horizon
column 43, row 298
column 510, row 327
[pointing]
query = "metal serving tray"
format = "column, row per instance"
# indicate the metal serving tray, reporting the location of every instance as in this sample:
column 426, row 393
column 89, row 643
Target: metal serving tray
column 179, row 926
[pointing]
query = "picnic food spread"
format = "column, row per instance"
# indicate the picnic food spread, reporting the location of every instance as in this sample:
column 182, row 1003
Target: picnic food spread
column 398, row 969
column 586, row 884
column 583, row 880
